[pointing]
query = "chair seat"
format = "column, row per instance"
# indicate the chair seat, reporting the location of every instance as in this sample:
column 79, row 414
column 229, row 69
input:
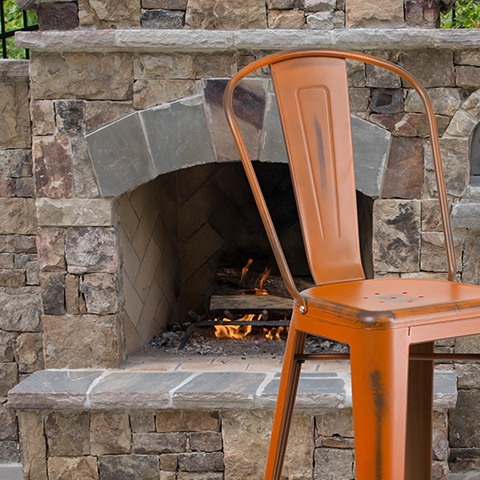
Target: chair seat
column 393, row 302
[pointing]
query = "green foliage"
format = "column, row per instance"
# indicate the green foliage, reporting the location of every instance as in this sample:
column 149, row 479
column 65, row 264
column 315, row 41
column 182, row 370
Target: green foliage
column 14, row 21
column 466, row 14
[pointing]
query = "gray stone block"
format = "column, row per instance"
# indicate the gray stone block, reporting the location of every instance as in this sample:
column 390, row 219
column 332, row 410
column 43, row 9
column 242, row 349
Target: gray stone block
column 466, row 215
column 217, row 390
column 11, row 471
column 151, row 389
column 53, row 389
column 120, row 156
column 177, row 135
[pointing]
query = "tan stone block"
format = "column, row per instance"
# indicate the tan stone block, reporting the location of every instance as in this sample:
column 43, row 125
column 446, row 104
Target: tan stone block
column 7, row 346
column 471, row 267
column 91, row 76
column 149, row 92
column 467, row 57
column 18, row 216
column 43, row 117
column 51, row 249
column 109, row 433
column 30, row 352
column 158, row 443
column 334, row 422
column 99, row 114
column 8, row 423
column 289, row 19
column 73, row 303
column 225, row 14
column 334, row 463
column 186, row 421
column 33, row 449
column 462, row 124
column 15, row 131
column 67, row 433
column 431, row 219
column 53, row 166
column 445, row 101
column 455, row 160
column 433, row 255
column 374, row 13
column 101, row 293
column 12, row 278
column 423, row 65
column 467, row 76
column 20, row 312
column 440, row 436
column 16, row 163
column 97, row 342
column 396, row 235
column 214, row 65
column 84, row 180
column 72, row 468
column 109, row 13
column 78, row 212
column 92, row 249
column 142, row 421
column 246, row 437
column 162, row 65
column 8, row 377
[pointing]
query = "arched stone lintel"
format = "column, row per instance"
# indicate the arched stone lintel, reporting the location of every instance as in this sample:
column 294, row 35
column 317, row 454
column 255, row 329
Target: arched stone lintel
column 137, row 148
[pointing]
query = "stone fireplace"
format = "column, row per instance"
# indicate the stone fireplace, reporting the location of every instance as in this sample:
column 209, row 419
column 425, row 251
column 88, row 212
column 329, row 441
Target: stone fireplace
column 117, row 188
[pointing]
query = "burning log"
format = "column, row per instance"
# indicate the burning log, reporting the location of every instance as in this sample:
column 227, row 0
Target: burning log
column 273, row 284
column 250, row 303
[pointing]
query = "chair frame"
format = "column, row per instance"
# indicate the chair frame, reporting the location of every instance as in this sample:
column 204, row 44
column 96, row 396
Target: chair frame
column 396, row 421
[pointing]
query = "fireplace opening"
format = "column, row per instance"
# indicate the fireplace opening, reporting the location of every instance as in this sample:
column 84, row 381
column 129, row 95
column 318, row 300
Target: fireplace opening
column 184, row 230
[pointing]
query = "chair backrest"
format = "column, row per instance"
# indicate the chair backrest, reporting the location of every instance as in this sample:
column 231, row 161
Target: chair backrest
column 312, row 94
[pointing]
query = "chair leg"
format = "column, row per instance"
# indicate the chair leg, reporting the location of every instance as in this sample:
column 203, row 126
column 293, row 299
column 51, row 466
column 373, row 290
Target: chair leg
column 285, row 403
column 379, row 366
column 418, row 462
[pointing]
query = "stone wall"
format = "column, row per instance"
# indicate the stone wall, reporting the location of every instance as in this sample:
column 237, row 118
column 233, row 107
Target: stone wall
column 61, row 276
column 223, row 15
column 20, row 297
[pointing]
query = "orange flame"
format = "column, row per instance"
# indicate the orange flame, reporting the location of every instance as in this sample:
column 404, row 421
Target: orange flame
column 245, row 270
column 238, row 332
column 261, row 282
column 273, row 333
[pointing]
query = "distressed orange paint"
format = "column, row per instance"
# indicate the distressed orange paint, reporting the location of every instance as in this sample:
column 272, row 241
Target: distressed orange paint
column 390, row 324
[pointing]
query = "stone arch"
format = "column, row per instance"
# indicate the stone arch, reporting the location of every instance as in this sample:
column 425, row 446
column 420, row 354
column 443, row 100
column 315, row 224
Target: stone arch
column 139, row 147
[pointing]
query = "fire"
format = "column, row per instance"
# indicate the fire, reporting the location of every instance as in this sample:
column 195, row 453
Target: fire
column 261, row 282
column 273, row 333
column 238, row 332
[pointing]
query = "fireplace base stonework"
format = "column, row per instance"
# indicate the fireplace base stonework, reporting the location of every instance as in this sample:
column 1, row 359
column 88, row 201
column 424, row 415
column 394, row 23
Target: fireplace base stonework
column 194, row 420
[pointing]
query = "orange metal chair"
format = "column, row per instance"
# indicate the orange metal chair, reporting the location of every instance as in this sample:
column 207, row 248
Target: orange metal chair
column 390, row 324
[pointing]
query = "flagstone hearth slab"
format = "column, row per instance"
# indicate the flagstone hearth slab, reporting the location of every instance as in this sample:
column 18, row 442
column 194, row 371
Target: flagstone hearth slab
column 196, row 390
column 62, row 389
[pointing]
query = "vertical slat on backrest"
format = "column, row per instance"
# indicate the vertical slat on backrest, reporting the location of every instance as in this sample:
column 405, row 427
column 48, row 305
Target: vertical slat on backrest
column 312, row 94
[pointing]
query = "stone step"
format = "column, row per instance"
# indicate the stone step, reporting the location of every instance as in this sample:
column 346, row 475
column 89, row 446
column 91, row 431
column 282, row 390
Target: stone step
column 11, row 471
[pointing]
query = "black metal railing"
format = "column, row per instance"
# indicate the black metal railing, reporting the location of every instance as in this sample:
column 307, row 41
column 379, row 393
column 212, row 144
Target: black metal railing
column 4, row 34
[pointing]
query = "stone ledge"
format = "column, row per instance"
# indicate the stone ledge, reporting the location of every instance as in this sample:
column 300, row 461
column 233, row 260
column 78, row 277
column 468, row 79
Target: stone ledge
column 14, row 68
column 11, row 471
column 196, row 390
column 185, row 40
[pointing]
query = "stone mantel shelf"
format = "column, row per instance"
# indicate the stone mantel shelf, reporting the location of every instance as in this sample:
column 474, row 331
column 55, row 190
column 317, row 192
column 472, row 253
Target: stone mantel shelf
column 147, row 40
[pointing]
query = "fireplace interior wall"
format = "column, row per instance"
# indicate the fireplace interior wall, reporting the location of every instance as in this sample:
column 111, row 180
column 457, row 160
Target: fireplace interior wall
column 180, row 228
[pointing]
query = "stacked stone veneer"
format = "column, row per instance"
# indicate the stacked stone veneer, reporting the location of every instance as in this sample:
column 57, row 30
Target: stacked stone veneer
column 181, row 425
column 63, row 266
